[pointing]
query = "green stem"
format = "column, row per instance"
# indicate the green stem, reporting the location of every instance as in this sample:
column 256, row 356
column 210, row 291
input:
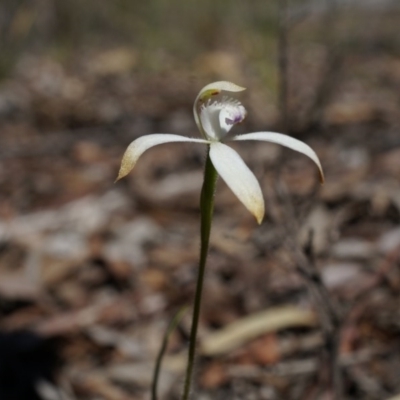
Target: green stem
column 206, row 209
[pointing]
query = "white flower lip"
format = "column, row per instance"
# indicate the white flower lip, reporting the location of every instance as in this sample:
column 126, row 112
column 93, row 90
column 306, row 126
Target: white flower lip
column 232, row 113
column 218, row 118
column 214, row 120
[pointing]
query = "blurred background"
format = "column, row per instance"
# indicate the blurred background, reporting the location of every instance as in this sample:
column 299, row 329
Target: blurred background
column 91, row 272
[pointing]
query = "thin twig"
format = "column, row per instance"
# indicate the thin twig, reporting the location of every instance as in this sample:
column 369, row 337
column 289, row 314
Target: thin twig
column 327, row 310
column 330, row 69
column 283, row 63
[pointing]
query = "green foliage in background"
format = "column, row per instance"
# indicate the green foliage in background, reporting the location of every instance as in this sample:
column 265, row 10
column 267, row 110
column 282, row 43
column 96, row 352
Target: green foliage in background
column 156, row 28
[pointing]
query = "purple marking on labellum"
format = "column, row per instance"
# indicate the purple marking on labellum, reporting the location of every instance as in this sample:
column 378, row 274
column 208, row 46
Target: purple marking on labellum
column 238, row 118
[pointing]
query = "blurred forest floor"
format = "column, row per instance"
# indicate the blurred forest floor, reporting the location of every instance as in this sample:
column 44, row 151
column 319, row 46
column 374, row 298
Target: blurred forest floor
column 91, row 272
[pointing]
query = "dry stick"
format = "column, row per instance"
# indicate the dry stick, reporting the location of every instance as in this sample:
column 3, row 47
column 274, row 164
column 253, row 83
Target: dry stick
column 330, row 320
column 283, row 63
column 327, row 311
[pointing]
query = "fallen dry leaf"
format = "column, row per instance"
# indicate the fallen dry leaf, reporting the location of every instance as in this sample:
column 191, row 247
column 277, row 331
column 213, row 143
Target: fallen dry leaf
column 250, row 327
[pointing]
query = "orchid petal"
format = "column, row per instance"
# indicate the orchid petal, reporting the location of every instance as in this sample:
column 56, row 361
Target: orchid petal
column 286, row 141
column 238, row 177
column 209, row 117
column 210, row 90
column 140, row 145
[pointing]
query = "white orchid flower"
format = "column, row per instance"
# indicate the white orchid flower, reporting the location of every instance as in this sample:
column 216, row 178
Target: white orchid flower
column 214, row 120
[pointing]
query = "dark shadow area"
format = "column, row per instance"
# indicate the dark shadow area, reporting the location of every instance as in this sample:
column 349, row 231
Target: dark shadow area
column 25, row 360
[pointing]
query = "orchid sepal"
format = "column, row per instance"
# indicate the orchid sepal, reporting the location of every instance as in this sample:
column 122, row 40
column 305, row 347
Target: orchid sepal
column 143, row 143
column 237, row 175
column 286, row 141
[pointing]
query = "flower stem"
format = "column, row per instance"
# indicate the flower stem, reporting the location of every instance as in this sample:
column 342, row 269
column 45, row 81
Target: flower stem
column 206, row 209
